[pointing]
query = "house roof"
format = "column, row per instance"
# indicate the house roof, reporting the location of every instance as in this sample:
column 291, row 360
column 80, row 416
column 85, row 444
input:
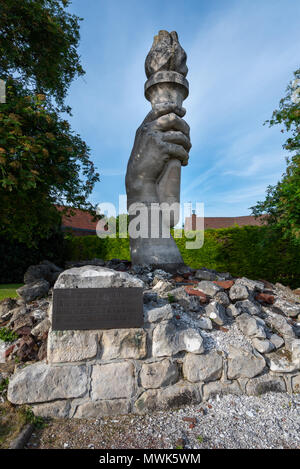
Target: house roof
column 81, row 220
column 224, row 222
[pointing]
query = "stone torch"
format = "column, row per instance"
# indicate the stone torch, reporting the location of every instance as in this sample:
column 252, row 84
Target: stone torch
column 166, row 69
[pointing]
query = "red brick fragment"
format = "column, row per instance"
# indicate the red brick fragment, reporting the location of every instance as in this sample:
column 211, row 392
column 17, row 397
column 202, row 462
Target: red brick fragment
column 9, row 350
column 226, row 284
column 192, row 420
column 202, row 297
column 265, row 298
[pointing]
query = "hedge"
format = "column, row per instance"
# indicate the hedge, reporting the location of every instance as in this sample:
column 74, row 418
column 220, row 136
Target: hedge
column 251, row 251
column 16, row 257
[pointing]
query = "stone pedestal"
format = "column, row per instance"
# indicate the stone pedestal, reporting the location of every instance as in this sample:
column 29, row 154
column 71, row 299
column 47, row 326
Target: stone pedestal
column 165, row 364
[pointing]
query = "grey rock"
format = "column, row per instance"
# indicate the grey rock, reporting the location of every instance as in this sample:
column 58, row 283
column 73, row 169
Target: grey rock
column 89, row 409
column 181, row 393
column 216, row 312
column 251, row 285
column 71, row 346
column 113, row 381
column 124, row 343
column 6, row 306
column 249, row 307
column 41, row 329
column 296, row 351
column 279, row 323
column 276, row 340
column 46, row 270
column 159, row 374
column 244, row 364
column 169, row 339
column 280, row 362
column 262, row 345
column 288, row 308
column 90, row 276
column 14, row 314
column 209, row 288
column 218, row 388
column 56, row 409
column 34, row 290
column 238, row 292
column 204, row 274
column 232, row 311
column 162, row 286
column 204, row 368
column 222, row 298
column 251, row 326
column 149, row 297
column 38, row 314
column 296, row 383
column 204, row 323
column 188, row 302
column 265, row 383
column 162, row 313
column 41, row 383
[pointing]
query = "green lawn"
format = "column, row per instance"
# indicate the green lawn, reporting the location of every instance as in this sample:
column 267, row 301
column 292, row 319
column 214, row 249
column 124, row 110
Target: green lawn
column 9, row 290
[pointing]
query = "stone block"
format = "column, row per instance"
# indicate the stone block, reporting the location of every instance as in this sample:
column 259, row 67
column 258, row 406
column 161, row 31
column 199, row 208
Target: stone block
column 124, row 343
column 204, row 368
column 113, row 381
column 244, row 364
column 169, row 339
column 176, row 396
column 159, row 374
column 265, row 383
column 71, row 346
column 98, row 409
column 41, row 383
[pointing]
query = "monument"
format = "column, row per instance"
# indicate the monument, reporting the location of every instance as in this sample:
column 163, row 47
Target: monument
column 121, row 342
column 161, row 147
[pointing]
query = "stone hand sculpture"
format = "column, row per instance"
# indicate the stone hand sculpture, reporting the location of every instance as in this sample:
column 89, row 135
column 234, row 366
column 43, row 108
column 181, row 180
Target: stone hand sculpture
column 161, row 147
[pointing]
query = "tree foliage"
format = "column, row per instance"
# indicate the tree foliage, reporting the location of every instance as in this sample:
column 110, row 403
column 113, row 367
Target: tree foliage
column 38, row 45
column 43, row 163
column 282, row 202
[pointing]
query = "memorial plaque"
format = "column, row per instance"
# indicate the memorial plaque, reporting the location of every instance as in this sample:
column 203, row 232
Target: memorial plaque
column 97, row 308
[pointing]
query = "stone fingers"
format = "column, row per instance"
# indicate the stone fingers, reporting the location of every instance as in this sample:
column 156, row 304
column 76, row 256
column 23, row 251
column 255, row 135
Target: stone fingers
column 171, row 122
column 178, row 138
column 176, row 151
column 162, row 109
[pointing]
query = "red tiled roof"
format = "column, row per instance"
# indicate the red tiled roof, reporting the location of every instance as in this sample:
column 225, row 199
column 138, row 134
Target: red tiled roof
column 223, row 222
column 81, row 220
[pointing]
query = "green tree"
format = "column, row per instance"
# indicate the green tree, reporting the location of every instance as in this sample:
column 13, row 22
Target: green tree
column 282, row 202
column 38, row 45
column 42, row 162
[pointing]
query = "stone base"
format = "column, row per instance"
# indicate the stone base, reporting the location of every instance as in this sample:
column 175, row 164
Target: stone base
column 166, row 364
column 116, row 373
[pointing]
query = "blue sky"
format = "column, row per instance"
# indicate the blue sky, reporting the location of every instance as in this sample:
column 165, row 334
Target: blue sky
column 241, row 56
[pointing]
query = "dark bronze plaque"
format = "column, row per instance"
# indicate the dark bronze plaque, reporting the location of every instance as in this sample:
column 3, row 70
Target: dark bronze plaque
column 97, row 308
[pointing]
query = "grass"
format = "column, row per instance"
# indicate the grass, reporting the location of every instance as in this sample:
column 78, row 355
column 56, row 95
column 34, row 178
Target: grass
column 8, row 290
column 13, row 419
column 7, row 335
column 11, row 423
